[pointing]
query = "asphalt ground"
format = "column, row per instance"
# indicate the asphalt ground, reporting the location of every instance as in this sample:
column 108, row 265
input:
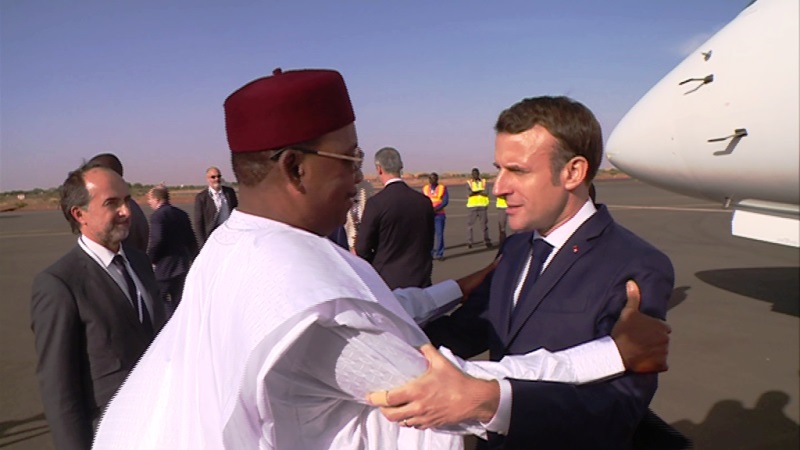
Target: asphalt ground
column 734, row 361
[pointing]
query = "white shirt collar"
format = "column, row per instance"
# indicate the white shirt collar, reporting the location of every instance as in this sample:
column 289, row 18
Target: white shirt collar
column 212, row 191
column 102, row 255
column 393, row 180
column 558, row 237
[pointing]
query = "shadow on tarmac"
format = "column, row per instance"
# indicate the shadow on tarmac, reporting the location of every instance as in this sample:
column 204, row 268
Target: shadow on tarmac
column 10, row 436
column 679, row 294
column 776, row 285
column 466, row 251
column 730, row 425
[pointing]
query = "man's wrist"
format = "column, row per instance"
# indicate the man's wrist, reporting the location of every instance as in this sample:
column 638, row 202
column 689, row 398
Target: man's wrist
column 488, row 399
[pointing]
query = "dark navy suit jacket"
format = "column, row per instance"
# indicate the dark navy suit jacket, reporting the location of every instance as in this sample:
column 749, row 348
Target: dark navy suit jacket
column 576, row 299
column 172, row 246
column 396, row 236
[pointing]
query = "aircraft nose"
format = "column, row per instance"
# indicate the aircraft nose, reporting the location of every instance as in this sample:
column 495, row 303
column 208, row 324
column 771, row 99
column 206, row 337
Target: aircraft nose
column 644, row 145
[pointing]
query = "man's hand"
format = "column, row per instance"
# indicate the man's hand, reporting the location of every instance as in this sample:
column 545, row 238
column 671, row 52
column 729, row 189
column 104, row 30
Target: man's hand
column 443, row 395
column 470, row 282
column 643, row 341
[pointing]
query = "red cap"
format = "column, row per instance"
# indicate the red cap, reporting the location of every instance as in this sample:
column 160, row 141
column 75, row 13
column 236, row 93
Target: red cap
column 287, row 108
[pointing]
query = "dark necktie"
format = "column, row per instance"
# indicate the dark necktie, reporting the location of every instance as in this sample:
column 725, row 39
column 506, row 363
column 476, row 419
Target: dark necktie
column 541, row 250
column 119, row 261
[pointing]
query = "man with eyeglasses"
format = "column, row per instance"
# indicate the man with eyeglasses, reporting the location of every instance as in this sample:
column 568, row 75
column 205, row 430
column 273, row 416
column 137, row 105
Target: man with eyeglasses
column 396, row 231
column 212, row 206
column 282, row 333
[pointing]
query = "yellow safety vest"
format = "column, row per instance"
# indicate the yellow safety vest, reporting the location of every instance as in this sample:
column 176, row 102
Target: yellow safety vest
column 477, row 200
column 501, row 202
column 436, row 195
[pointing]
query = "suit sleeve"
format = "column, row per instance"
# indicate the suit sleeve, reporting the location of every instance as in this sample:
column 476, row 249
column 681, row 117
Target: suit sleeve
column 199, row 219
column 155, row 246
column 430, row 214
column 190, row 236
column 233, row 200
column 600, row 415
column 58, row 337
column 367, row 236
column 466, row 331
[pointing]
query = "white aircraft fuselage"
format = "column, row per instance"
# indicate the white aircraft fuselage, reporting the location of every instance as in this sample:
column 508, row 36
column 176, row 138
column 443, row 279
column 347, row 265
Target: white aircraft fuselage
column 724, row 124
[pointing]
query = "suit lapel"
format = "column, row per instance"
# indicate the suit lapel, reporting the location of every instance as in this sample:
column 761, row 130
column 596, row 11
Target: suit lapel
column 99, row 281
column 147, row 281
column 579, row 245
column 505, row 282
column 228, row 192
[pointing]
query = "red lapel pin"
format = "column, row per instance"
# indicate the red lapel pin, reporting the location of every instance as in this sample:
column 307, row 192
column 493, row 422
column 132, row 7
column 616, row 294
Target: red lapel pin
column 574, row 249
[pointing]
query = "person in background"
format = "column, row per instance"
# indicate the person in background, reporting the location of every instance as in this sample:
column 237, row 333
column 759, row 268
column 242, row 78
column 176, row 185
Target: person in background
column 172, row 246
column 478, row 206
column 502, row 218
column 439, row 199
column 94, row 311
column 212, row 206
column 396, row 231
column 339, row 237
column 140, row 230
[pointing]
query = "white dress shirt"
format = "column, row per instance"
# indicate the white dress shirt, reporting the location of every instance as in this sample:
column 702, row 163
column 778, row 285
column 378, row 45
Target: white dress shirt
column 104, row 258
column 223, row 209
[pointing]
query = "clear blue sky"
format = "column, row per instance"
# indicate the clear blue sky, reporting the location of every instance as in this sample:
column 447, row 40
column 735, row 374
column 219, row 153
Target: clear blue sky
column 146, row 79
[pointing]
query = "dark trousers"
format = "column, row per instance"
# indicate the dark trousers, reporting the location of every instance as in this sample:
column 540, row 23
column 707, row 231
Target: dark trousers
column 438, row 235
column 502, row 224
column 480, row 214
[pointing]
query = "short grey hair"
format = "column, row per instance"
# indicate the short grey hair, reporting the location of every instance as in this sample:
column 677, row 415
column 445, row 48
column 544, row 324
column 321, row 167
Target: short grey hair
column 160, row 193
column 389, row 159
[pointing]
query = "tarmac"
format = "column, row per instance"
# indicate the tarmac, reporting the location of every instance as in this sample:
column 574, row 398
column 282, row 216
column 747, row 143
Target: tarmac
column 734, row 376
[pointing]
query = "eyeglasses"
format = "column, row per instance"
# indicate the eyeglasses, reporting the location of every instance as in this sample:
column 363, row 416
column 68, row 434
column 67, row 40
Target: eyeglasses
column 214, row 177
column 356, row 160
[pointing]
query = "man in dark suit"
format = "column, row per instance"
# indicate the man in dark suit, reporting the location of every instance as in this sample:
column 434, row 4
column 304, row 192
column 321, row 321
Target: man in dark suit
column 560, row 283
column 140, row 230
column 94, row 311
column 172, row 246
column 396, row 230
column 212, row 206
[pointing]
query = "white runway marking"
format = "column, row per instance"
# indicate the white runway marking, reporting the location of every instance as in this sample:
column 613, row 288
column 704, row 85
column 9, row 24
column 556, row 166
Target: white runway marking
column 33, row 234
column 671, row 208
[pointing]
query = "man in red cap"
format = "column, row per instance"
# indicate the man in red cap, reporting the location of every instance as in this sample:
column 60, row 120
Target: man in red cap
column 281, row 333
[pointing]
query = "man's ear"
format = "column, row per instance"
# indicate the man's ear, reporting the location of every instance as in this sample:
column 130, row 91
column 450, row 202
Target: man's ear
column 574, row 172
column 77, row 213
column 291, row 166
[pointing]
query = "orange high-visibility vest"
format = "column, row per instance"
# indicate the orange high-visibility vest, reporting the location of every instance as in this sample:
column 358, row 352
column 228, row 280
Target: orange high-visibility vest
column 436, row 195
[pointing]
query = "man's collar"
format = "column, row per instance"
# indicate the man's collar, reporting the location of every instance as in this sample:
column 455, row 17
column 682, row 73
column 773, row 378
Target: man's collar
column 559, row 236
column 101, row 253
column 393, row 180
